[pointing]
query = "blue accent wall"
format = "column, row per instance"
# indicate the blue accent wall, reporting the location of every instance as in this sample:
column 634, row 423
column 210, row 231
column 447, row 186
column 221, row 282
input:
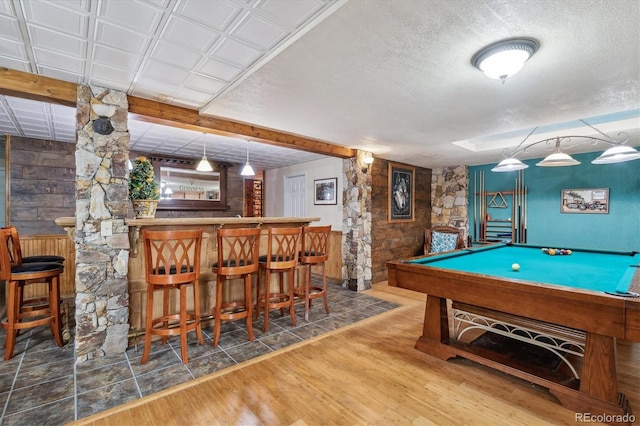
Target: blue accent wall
column 547, row 226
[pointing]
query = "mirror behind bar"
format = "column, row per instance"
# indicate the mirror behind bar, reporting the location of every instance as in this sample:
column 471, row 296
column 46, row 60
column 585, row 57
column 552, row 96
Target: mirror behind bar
column 190, row 189
column 189, row 184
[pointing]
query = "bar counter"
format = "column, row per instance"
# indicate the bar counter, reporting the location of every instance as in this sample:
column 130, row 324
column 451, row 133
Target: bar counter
column 136, row 278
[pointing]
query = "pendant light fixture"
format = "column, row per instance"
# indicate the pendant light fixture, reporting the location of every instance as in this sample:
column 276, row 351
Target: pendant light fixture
column 558, row 159
column 618, row 153
column 247, row 170
column 204, row 165
column 167, row 188
column 509, row 165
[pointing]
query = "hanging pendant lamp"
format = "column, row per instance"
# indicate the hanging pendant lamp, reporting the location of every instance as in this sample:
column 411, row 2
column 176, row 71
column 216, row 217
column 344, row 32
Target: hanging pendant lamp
column 204, row 165
column 247, row 170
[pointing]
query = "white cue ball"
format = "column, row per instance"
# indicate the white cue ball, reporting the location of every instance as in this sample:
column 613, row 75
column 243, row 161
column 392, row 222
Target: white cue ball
column 515, row 267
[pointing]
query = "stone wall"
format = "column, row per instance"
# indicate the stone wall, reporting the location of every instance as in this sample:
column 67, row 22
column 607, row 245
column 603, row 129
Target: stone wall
column 102, row 262
column 392, row 241
column 42, row 178
column 450, row 197
column 356, row 225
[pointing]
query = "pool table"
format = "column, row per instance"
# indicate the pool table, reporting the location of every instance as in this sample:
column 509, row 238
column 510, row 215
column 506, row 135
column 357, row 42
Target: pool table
column 592, row 292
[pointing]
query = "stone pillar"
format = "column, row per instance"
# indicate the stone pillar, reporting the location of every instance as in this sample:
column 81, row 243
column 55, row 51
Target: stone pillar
column 450, row 197
column 102, row 260
column 356, row 224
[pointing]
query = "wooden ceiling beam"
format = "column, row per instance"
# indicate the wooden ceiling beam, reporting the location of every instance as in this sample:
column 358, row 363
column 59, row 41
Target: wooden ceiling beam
column 37, row 87
column 159, row 113
column 31, row 86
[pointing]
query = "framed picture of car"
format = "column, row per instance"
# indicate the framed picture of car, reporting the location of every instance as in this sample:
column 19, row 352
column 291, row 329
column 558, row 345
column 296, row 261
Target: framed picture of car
column 592, row 200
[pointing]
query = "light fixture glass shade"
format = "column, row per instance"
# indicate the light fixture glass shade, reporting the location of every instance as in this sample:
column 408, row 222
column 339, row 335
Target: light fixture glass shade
column 617, row 154
column 168, row 190
column 247, row 170
column 509, row 165
column 558, row 159
column 204, row 165
column 103, row 110
column 505, row 58
column 368, row 158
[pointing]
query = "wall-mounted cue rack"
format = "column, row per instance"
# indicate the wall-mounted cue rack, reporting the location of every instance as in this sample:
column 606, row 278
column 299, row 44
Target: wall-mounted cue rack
column 490, row 223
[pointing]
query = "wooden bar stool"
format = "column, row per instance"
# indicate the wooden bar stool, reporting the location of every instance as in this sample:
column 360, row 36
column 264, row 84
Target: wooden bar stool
column 237, row 258
column 28, row 313
column 15, row 251
column 315, row 251
column 172, row 261
column 282, row 257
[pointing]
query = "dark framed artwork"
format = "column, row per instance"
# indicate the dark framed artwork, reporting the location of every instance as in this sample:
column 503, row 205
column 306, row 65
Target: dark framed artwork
column 591, row 200
column 401, row 193
column 325, row 191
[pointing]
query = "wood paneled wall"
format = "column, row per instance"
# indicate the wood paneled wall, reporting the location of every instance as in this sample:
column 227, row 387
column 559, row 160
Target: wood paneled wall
column 398, row 240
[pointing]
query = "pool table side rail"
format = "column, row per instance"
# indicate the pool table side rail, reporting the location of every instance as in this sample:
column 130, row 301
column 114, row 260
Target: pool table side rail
column 581, row 309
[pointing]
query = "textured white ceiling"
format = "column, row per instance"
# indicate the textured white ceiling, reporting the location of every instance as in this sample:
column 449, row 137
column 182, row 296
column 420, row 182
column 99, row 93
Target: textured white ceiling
column 392, row 76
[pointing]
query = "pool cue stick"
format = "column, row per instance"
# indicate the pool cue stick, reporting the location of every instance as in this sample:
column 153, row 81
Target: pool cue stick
column 526, row 202
column 475, row 222
column 514, row 223
column 483, row 202
column 519, row 206
column 520, row 219
column 524, row 211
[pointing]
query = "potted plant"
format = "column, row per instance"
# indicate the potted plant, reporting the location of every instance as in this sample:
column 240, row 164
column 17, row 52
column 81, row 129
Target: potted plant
column 144, row 191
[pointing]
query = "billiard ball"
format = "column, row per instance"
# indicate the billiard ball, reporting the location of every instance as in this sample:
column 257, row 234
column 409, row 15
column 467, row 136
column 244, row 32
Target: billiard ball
column 515, row 267
column 552, row 252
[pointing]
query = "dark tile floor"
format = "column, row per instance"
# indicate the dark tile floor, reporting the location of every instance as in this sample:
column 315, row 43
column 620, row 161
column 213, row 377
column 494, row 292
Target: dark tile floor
column 42, row 385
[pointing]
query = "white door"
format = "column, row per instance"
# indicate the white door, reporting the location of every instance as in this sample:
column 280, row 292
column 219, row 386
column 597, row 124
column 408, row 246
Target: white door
column 295, row 196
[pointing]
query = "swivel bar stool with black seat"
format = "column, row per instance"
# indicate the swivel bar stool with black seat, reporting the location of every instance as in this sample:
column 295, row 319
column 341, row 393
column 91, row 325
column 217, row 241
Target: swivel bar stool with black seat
column 16, row 257
column 28, row 313
column 315, row 251
column 282, row 258
column 172, row 261
column 16, row 251
column 237, row 258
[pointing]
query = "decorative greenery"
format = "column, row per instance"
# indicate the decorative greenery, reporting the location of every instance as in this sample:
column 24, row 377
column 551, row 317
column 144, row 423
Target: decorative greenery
column 142, row 185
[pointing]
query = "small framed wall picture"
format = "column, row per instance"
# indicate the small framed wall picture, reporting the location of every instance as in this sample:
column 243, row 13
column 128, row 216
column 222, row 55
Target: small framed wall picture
column 592, row 200
column 401, row 193
column 325, row 191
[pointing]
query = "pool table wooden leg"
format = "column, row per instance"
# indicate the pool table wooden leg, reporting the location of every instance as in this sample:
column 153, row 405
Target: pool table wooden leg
column 598, row 391
column 599, row 367
column 435, row 331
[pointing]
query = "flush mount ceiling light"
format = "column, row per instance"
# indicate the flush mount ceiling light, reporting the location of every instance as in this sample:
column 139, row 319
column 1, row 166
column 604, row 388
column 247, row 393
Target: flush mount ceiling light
column 247, row 170
column 618, row 153
column 504, row 58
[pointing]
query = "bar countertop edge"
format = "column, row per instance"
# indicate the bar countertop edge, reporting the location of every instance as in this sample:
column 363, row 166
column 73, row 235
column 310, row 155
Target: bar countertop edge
column 71, row 221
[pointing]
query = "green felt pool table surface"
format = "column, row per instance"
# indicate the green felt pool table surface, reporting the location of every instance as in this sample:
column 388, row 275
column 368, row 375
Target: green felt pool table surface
column 602, row 271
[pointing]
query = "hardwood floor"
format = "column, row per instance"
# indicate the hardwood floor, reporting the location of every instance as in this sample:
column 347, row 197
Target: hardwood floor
column 368, row 373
